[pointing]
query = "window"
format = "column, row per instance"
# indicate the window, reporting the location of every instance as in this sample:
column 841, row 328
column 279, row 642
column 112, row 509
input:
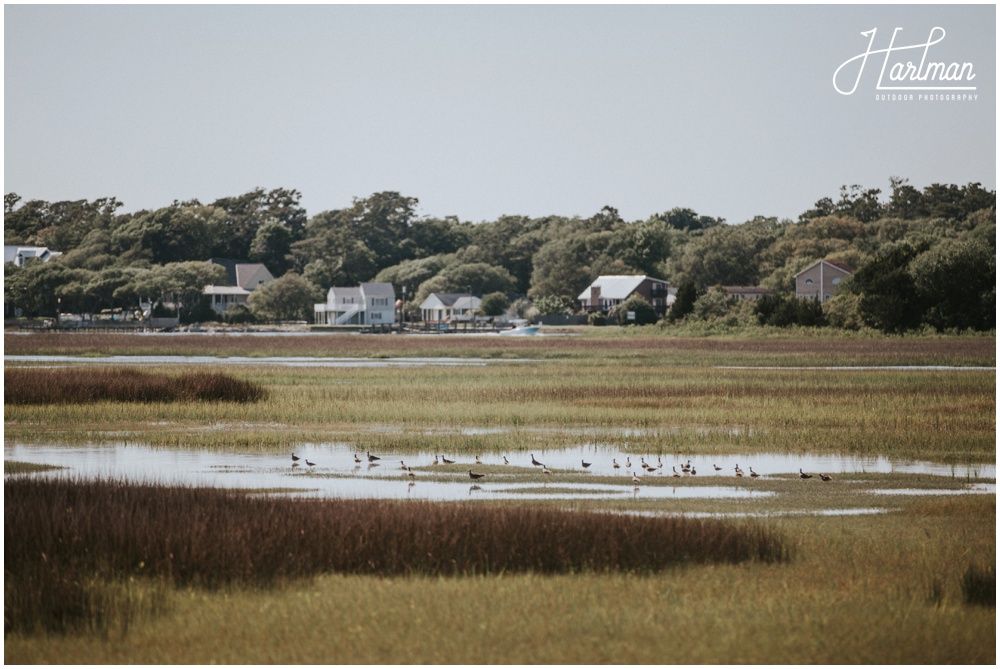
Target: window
column 809, row 282
column 836, row 281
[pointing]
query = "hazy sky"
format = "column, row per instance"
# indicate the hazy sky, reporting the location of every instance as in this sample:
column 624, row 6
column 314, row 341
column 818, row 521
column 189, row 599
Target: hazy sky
column 480, row 111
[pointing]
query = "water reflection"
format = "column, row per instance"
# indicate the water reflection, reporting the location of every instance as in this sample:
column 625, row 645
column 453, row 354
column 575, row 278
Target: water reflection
column 335, row 472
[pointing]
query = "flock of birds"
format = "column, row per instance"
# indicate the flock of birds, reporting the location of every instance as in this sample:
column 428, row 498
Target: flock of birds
column 687, row 469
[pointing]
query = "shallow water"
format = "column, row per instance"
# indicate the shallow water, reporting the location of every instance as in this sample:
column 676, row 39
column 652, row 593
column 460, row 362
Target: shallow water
column 280, row 361
column 336, row 474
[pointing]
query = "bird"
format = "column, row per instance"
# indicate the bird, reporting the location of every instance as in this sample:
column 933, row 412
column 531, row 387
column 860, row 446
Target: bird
column 739, row 472
column 693, row 472
column 686, row 467
column 410, row 473
column 803, row 475
column 447, row 461
column 628, row 462
column 402, row 465
column 635, row 479
column 372, row 458
column 478, row 461
column 435, row 459
column 614, row 463
column 536, row 462
column 585, row 464
column 546, row 470
column 295, row 458
column 753, row 474
column 659, row 463
column 826, row 477
column 676, row 473
column 357, row 460
column 475, row 477
column 717, row 468
column 311, row 464
column 505, row 460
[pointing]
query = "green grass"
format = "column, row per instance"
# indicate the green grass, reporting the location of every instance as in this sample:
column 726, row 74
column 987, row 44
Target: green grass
column 901, row 587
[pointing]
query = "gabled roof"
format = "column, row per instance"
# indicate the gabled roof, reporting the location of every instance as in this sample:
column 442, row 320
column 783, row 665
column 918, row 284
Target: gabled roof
column 837, row 264
column 616, row 286
column 378, row 290
column 453, row 300
column 242, row 272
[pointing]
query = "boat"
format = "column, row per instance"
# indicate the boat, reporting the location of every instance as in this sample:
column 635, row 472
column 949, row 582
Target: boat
column 522, row 328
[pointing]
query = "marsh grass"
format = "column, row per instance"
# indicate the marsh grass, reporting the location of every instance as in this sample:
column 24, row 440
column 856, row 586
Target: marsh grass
column 64, row 539
column 84, row 386
column 979, row 586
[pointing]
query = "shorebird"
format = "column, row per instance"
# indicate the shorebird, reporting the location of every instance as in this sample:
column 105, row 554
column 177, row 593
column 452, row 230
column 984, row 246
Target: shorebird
column 803, row 475
column 435, row 459
column 636, row 479
column 628, row 462
column 475, row 477
column 659, row 463
column 753, row 474
column 295, row 458
column 717, row 468
column 686, row 467
column 546, row 470
column 676, row 473
column 505, row 460
column 585, row 464
column 536, row 462
column 693, row 472
column 739, row 472
column 478, row 461
column 447, row 461
column 311, row 464
column 614, row 463
column 409, row 472
column 826, row 477
column 402, row 465
column 357, row 460
column 372, row 458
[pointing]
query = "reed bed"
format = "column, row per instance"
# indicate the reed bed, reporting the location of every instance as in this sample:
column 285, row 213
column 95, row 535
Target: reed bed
column 84, row 386
column 612, row 345
column 63, row 536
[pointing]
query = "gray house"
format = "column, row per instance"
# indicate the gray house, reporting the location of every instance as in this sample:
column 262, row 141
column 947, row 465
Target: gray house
column 367, row 304
column 821, row 280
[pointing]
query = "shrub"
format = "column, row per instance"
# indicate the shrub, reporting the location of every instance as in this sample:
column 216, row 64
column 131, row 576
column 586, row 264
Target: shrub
column 979, row 586
column 77, row 386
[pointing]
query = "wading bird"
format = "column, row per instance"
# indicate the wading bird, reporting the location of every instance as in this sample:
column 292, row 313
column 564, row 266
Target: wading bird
column 826, row 477
column 311, row 464
column 753, row 474
column 546, row 470
column 447, row 461
column 614, row 463
column 372, row 458
column 803, row 475
column 475, row 477
column 478, row 461
column 295, row 458
column 717, row 468
column 676, row 473
column 739, row 472
column 636, row 479
column 585, row 464
column 505, row 460
column 409, row 472
column 357, row 460
column 536, row 462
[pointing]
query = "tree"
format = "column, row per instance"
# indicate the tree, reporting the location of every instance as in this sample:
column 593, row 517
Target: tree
column 956, row 281
column 644, row 312
column 553, row 305
column 687, row 295
column 272, row 246
column 288, row 298
column 561, row 267
column 494, row 304
column 245, row 214
column 889, row 300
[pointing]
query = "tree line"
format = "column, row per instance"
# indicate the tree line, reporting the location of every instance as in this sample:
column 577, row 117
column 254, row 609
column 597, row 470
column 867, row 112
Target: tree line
column 925, row 258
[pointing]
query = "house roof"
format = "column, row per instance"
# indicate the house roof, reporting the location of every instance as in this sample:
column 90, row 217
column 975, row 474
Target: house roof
column 11, row 253
column 617, row 287
column 380, row 289
column 838, row 264
column 224, row 290
column 242, row 272
column 749, row 290
column 453, row 300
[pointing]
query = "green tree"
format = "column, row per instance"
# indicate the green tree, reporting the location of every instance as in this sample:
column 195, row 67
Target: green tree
column 956, row 281
column 245, row 214
column 561, row 267
column 644, row 312
column 288, row 298
column 553, row 305
column 687, row 295
column 494, row 304
column 272, row 246
column 889, row 300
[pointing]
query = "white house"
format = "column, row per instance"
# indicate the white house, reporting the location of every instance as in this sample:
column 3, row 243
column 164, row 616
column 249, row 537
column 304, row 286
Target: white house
column 242, row 279
column 608, row 291
column 368, row 304
column 18, row 254
column 447, row 307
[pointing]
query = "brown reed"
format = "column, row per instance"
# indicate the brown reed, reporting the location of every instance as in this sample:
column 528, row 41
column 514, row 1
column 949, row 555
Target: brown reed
column 77, row 386
column 60, row 535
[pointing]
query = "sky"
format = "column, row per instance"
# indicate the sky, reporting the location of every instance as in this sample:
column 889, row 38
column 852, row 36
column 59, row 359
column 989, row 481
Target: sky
column 480, row 111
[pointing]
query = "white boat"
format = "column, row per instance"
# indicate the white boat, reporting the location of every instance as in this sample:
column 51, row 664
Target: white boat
column 523, row 329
